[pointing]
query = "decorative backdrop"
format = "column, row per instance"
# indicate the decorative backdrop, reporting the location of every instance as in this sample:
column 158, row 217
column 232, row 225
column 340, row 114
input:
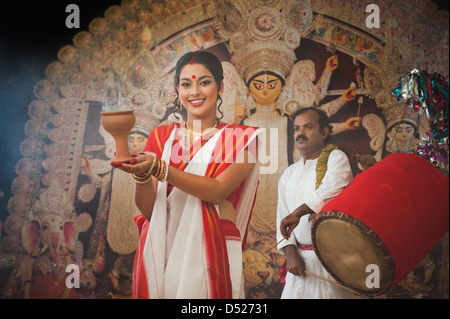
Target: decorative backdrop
column 67, row 207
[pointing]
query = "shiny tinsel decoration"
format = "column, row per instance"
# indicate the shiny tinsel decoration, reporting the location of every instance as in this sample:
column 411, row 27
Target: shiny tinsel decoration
column 436, row 153
column 428, row 94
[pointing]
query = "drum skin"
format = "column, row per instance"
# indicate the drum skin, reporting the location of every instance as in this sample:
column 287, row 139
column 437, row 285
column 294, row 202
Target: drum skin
column 390, row 216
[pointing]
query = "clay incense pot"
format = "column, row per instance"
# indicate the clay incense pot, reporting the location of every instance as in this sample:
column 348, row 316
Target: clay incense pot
column 119, row 125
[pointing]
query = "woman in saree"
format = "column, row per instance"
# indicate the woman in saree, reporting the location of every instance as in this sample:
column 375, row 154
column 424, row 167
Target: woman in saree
column 196, row 184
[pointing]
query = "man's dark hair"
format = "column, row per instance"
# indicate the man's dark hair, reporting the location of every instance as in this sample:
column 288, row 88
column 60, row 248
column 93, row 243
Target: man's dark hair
column 324, row 121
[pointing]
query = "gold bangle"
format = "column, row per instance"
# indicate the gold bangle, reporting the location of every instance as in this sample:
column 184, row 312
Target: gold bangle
column 157, row 173
column 161, row 171
column 166, row 173
column 140, row 180
column 144, row 178
column 149, row 171
column 155, row 168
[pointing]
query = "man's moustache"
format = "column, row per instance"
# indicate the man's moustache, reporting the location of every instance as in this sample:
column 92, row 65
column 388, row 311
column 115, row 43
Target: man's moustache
column 301, row 136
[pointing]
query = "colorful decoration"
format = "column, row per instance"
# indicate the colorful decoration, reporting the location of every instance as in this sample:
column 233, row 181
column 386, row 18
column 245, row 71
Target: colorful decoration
column 428, row 94
column 436, row 153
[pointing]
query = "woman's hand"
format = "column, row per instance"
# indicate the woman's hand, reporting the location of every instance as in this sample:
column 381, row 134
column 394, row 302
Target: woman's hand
column 137, row 165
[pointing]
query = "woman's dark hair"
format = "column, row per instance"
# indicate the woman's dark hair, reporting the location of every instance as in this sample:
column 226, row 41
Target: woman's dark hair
column 324, row 120
column 209, row 61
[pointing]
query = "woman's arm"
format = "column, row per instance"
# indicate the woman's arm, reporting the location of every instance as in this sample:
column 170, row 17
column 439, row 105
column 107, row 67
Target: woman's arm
column 212, row 190
column 145, row 196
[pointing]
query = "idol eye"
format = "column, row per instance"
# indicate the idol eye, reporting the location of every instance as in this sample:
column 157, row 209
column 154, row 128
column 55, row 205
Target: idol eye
column 258, row 86
column 273, row 85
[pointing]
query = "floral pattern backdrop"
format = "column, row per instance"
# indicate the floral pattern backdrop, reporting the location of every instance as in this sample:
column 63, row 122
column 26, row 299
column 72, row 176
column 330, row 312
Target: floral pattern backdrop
column 66, row 206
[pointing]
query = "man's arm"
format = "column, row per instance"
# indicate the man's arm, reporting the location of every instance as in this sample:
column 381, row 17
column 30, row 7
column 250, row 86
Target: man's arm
column 337, row 177
column 291, row 221
column 282, row 212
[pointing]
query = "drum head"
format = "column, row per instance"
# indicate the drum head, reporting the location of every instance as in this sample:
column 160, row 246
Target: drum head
column 352, row 253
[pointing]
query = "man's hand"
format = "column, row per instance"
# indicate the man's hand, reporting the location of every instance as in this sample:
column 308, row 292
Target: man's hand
column 288, row 224
column 294, row 262
column 291, row 221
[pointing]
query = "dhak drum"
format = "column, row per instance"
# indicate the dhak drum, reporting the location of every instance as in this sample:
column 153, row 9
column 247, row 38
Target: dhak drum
column 383, row 224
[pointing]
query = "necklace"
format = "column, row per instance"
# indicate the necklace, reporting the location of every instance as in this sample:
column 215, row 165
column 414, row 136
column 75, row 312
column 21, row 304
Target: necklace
column 196, row 136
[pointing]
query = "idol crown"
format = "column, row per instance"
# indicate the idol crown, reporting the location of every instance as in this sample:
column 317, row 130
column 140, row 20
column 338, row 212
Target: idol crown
column 399, row 111
column 264, row 38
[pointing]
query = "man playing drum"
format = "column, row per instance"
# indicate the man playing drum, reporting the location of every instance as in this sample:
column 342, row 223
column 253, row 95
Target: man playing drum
column 322, row 172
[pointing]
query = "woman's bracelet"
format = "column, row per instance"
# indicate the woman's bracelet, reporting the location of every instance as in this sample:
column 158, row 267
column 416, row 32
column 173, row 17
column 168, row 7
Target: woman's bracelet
column 144, row 178
column 167, row 172
column 159, row 168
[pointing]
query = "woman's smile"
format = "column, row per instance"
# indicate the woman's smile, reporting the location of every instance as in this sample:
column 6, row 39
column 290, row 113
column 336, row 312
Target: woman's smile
column 197, row 102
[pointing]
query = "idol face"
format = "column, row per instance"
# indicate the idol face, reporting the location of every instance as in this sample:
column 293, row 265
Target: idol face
column 265, row 89
column 198, row 92
column 136, row 142
column 404, row 132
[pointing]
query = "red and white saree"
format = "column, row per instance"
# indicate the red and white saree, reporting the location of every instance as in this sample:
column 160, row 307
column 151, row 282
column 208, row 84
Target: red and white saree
column 186, row 250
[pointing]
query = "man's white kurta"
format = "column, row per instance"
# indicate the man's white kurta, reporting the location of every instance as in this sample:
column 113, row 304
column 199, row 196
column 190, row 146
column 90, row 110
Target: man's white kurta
column 297, row 186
